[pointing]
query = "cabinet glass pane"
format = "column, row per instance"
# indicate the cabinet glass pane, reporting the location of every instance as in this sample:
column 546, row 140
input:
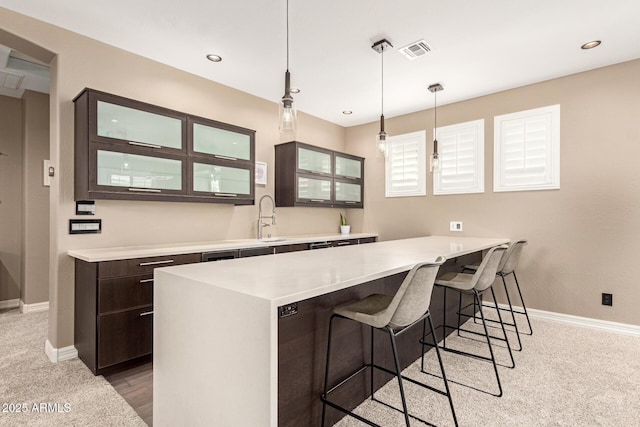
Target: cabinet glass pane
column 221, row 179
column 314, row 161
column 309, row 188
column 222, row 142
column 348, row 167
column 132, row 170
column 347, row 192
column 129, row 124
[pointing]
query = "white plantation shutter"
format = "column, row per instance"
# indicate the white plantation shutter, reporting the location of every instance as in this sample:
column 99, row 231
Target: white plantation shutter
column 461, row 153
column 405, row 165
column 527, row 150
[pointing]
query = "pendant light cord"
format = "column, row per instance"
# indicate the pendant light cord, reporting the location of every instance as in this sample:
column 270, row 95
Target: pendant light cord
column 382, row 97
column 435, row 110
column 287, row 35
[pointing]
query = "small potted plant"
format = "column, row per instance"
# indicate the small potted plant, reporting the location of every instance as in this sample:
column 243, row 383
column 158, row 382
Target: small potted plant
column 344, row 228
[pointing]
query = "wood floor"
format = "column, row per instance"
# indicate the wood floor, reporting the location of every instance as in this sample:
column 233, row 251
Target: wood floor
column 136, row 386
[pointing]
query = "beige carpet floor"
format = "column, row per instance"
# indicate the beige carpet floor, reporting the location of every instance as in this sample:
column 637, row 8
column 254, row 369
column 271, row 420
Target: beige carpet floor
column 71, row 394
column 565, row 376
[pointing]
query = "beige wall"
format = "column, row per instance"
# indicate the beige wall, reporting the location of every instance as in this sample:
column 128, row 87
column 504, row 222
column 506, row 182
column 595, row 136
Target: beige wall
column 10, row 197
column 583, row 237
column 81, row 62
column 35, row 233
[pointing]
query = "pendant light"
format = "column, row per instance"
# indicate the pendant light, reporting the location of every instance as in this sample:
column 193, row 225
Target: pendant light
column 434, row 164
column 287, row 115
column 381, row 137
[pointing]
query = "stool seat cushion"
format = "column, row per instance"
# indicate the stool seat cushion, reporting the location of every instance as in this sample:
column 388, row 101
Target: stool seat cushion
column 460, row 281
column 372, row 310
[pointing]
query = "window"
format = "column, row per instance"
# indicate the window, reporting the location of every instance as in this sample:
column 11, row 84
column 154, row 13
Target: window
column 461, row 152
column 405, row 165
column 527, row 150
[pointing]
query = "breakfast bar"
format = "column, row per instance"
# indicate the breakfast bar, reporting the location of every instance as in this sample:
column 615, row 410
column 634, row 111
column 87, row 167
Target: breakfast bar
column 235, row 342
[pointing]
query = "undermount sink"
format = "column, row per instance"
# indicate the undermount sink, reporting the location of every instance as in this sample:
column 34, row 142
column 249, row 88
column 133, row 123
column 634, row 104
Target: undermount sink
column 271, row 239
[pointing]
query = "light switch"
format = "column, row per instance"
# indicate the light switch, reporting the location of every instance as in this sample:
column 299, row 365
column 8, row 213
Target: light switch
column 455, row 226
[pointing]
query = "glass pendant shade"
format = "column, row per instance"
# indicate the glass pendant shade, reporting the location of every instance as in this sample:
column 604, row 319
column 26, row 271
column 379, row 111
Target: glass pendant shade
column 381, row 140
column 287, row 115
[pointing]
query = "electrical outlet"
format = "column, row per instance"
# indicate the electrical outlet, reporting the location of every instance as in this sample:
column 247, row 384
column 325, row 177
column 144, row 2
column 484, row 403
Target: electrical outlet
column 607, row 299
column 455, row 226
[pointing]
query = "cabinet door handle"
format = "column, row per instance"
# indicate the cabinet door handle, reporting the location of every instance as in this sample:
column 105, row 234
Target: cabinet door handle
column 146, row 281
column 318, row 200
column 343, row 243
column 145, row 190
column 225, row 194
column 146, row 313
column 143, row 144
column 351, row 203
column 218, row 156
column 143, row 264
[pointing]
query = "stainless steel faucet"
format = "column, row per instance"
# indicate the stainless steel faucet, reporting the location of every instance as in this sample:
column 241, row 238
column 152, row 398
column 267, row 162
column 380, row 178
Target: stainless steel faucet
column 260, row 217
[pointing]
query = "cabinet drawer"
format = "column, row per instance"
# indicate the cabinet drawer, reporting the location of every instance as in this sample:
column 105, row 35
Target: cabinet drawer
column 128, row 267
column 124, row 336
column 125, row 292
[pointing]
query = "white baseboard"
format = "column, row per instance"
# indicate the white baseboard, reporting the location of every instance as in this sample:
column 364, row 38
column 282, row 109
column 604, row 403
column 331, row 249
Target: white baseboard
column 10, row 303
column 60, row 354
column 32, row 308
column 586, row 322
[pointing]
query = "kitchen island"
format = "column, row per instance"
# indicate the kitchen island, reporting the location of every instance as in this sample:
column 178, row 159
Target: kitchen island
column 236, row 343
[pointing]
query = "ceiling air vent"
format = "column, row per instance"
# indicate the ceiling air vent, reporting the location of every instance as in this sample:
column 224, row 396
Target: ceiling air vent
column 415, row 50
column 10, row 80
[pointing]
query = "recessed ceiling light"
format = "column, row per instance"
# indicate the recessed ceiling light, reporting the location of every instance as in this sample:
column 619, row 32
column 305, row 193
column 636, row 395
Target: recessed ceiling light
column 347, row 112
column 294, row 90
column 591, row 44
column 214, row 58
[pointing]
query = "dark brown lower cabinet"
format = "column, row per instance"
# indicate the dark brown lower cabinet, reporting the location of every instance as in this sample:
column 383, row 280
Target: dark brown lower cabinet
column 125, row 336
column 113, row 326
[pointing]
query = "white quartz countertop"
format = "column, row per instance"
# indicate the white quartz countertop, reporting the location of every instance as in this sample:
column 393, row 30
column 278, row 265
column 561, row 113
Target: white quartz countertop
column 291, row 277
column 128, row 252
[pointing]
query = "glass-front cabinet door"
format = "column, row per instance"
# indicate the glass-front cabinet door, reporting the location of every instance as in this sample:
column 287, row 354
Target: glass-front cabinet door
column 348, row 167
column 314, row 160
column 224, row 181
column 137, row 173
column 125, row 121
column 348, row 193
column 313, row 190
column 221, row 140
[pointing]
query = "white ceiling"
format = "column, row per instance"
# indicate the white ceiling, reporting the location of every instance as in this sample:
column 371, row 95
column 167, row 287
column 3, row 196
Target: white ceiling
column 478, row 46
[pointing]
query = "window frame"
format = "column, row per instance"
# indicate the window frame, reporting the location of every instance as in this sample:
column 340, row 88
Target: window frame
column 420, row 188
column 551, row 181
column 478, row 184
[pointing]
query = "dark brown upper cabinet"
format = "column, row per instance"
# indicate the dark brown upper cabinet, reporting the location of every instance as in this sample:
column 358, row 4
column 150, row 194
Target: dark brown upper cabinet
column 127, row 149
column 312, row 176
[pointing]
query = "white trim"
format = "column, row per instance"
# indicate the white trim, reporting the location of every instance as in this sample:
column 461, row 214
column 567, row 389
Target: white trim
column 32, row 308
column 10, row 303
column 60, row 354
column 585, row 322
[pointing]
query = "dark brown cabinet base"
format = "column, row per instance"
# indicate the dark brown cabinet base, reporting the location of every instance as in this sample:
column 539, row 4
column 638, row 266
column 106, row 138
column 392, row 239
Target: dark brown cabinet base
column 114, row 310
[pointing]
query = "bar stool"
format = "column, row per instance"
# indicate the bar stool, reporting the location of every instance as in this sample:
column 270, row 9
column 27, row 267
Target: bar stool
column 475, row 284
column 508, row 266
column 394, row 315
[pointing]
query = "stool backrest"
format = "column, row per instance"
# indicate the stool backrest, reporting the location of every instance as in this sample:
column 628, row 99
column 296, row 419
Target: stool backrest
column 412, row 300
column 510, row 259
column 486, row 272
